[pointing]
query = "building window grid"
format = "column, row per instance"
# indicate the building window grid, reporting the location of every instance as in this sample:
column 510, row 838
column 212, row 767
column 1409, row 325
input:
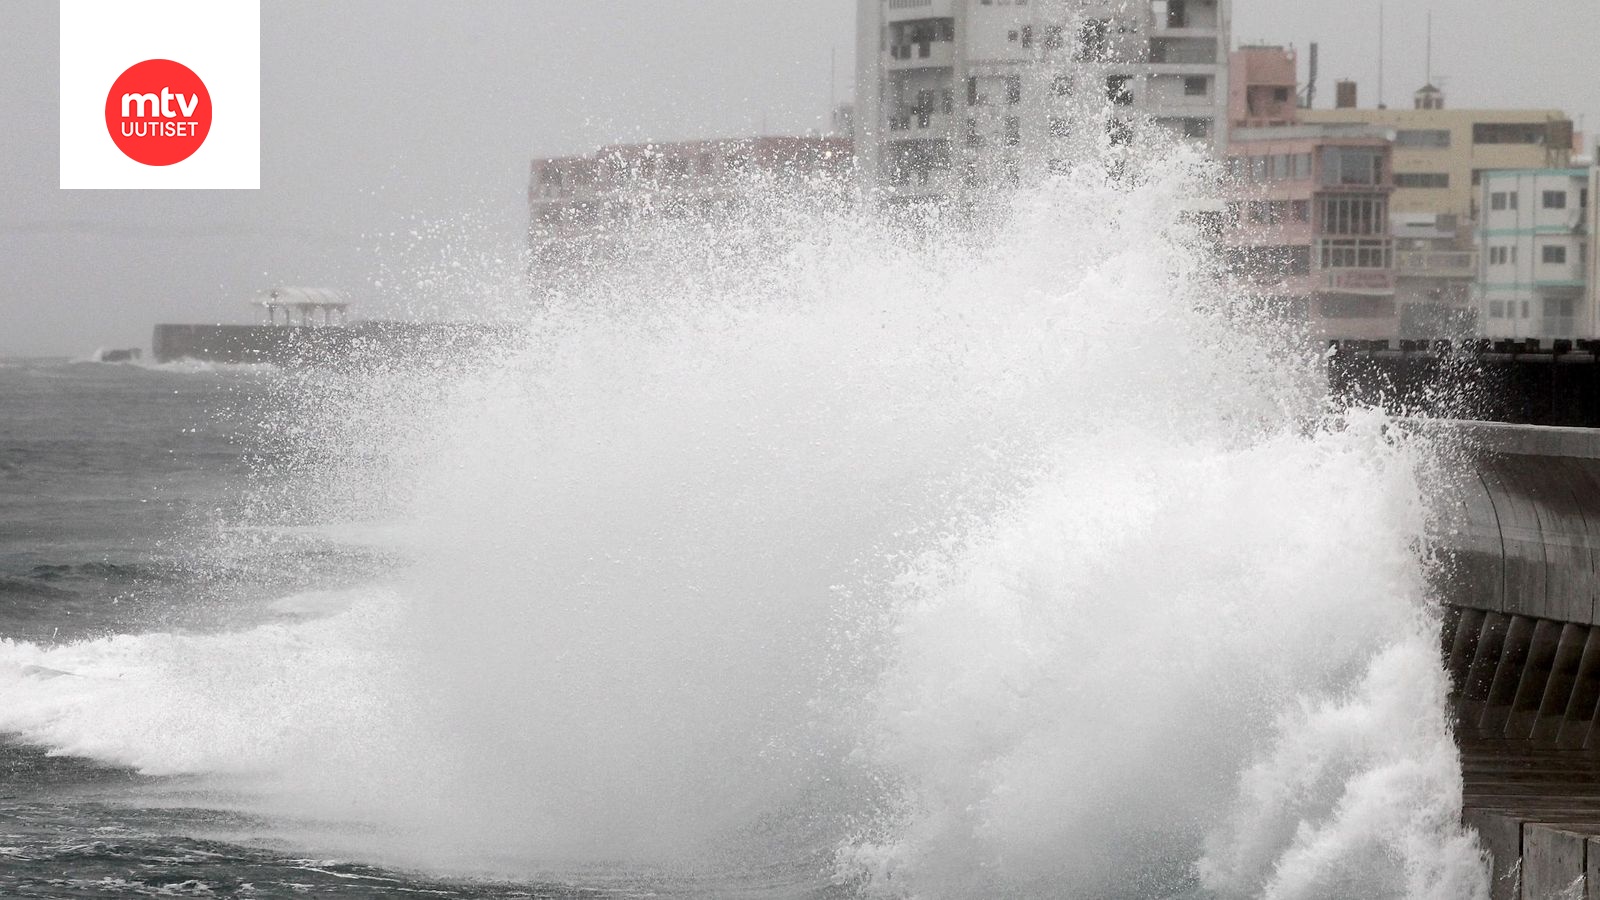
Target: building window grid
column 1350, row 253
column 1423, row 137
column 1422, row 180
column 1353, row 215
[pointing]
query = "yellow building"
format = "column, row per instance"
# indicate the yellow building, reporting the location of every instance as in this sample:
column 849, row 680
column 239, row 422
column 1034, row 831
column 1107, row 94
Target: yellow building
column 1440, row 154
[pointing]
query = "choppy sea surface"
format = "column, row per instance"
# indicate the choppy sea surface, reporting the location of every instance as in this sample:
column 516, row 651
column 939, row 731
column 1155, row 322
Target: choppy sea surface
column 794, row 558
column 115, row 481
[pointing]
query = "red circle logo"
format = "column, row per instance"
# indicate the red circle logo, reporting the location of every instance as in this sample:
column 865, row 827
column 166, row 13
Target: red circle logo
column 158, row 112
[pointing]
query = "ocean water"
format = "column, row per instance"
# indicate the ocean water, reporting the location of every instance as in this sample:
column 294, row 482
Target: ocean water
column 802, row 555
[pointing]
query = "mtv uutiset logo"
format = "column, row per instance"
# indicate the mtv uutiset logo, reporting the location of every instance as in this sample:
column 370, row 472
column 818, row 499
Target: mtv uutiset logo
column 161, row 94
column 158, row 128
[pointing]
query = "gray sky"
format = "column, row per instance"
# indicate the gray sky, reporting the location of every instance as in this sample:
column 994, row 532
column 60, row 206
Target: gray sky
column 396, row 136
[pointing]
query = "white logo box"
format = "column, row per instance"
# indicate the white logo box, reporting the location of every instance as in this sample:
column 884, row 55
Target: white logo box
column 219, row 39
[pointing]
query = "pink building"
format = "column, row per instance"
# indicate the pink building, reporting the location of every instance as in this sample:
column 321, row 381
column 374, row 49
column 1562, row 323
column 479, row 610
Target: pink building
column 1307, row 228
column 1262, row 87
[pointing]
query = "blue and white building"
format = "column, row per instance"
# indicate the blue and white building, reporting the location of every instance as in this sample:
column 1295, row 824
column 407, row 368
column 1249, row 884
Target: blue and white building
column 1536, row 249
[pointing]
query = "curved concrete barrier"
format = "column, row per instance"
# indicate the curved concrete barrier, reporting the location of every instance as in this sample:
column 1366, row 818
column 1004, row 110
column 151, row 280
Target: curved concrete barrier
column 1519, row 541
column 1523, row 537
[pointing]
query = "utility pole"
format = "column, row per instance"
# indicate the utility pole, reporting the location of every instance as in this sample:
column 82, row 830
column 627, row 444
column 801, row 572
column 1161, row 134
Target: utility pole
column 1430, row 48
column 1381, row 104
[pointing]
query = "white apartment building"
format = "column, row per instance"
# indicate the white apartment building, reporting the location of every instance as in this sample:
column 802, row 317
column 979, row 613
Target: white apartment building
column 958, row 97
column 1535, row 242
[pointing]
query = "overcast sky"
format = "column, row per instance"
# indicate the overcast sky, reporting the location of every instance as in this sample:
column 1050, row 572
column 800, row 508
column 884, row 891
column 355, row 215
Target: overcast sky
column 396, row 135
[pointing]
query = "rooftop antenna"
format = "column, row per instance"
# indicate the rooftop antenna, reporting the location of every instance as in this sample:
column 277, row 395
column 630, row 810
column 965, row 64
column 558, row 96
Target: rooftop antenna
column 1311, row 78
column 1430, row 48
column 1381, row 104
column 833, row 78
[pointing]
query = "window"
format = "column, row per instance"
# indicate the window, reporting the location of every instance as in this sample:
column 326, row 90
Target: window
column 1196, row 86
column 1094, row 41
column 972, row 91
column 1355, row 254
column 1302, row 210
column 1196, row 128
column 1011, row 36
column 1013, row 89
column 1120, row 131
column 974, row 137
column 1353, row 215
column 1177, row 14
column 1059, row 127
column 1119, row 89
column 1497, row 256
column 1351, row 165
column 1027, row 35
column 1054, row 37
column 1524, row 309
column 1497, row 200
column 1553, row 253
column 1280, row 95
column 1555, row 199
column 1509, row 133
column 1061, row 85
column 1497, row 309
column 1013, row 131
column 949, row 101
column 1425, row 138
column 1421, row 180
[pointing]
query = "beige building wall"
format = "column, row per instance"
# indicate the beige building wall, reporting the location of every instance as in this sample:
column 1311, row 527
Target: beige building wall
column 1462, row 160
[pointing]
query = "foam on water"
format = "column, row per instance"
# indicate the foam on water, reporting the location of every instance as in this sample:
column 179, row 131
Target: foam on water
column 1008, row 567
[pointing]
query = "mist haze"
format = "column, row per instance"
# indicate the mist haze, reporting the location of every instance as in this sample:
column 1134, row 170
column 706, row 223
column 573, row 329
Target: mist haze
column 396, row 138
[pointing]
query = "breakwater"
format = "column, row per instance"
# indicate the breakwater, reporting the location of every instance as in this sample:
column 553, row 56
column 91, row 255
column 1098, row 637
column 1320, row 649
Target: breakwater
column 311, row 345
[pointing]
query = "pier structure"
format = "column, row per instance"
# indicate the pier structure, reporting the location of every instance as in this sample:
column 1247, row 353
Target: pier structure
column 324, row 335
column 310, row 303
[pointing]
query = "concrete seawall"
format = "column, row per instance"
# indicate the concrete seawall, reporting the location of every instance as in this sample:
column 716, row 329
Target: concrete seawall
column 290, row 345
column 1519, row 542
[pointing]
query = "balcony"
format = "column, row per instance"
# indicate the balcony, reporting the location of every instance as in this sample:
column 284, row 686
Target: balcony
column 902, row 10
column 1436, row 264
column 1372, row 282
column 933, row 54
column 1184, row 51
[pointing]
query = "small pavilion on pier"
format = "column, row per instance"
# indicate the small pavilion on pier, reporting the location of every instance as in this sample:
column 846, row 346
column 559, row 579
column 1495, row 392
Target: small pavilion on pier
column 311, row 304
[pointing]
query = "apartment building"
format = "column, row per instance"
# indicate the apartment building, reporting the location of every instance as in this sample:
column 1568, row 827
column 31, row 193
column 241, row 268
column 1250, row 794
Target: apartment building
column 1441, row 154
column 1308, row 231
column 1536, row 246
column 1308, row 228
column 958, row 97
column 583, row 210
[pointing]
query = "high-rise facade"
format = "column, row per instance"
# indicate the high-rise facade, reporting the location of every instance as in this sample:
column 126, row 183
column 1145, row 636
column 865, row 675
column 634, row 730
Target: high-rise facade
column 958, row 97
